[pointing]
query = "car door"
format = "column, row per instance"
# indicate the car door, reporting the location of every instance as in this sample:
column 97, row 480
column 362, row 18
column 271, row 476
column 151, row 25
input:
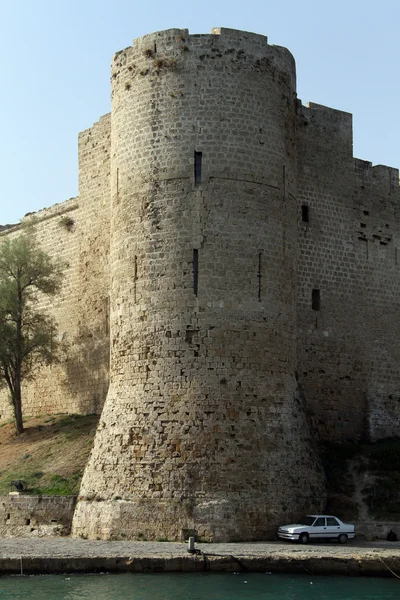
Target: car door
column 318, row 530
column 332, row 527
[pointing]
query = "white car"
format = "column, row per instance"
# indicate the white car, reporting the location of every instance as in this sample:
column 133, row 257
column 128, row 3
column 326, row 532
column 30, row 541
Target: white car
column 317, row 527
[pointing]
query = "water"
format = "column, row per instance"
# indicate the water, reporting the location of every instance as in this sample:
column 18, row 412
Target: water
column 212, row 586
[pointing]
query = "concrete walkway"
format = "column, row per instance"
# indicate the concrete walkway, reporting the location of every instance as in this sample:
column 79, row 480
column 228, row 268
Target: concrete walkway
column 67, row 555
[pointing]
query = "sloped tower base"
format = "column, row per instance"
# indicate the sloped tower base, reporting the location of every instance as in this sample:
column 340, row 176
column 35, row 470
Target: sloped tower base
column 271, row 477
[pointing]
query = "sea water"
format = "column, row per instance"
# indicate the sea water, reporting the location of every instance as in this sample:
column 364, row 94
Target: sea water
column 207, row 586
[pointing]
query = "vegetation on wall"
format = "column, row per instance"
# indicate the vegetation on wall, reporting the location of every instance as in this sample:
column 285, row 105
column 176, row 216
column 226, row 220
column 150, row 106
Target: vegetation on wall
column 66, row 222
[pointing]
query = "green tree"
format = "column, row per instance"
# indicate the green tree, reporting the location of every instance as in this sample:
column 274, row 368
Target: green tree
column 27, row 333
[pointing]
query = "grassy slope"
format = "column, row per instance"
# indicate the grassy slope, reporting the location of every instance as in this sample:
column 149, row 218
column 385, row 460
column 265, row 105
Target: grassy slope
column 49, row 457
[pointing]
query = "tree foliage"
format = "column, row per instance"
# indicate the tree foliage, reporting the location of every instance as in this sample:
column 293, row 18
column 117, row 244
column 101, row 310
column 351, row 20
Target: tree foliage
column 27, row 333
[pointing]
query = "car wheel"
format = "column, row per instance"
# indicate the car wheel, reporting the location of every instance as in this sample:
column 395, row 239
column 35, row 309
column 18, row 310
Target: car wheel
column 342, row 538
column 303, row 538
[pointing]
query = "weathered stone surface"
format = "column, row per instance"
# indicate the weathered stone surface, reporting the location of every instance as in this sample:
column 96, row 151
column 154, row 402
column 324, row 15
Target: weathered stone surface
column 203, row 411
column 348, row 351
column 76, row 233
column 240, row 269
column 35, row 516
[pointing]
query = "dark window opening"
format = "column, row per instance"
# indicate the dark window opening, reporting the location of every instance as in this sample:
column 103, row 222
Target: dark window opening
column 107, row 315
column 304, row 213
column 198, row 156
column 195, row 271
column 135, row 277
column 259, row 275
column 284, row 181
column 316, row 300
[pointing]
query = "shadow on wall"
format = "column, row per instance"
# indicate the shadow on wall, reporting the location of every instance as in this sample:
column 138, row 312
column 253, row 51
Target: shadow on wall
column 87, row 370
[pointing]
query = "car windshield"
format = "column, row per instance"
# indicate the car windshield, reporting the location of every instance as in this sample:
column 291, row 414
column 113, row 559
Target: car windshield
column 307, row 521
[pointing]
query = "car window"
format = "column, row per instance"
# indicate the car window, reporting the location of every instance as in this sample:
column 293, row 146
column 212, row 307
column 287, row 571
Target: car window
column 331, row 521
column 319, row 522
column 307, row 521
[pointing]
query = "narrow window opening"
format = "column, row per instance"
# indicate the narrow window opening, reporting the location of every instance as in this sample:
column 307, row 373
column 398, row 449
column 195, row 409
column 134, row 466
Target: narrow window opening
column 28, row 521
column 107, row 315
column 316, row 300
column 395, row 255
column 135, row 276
column 284, row 181
column 198, row 156
column 155, row 47
column 195, row 271
column 259, row 275
column 305, row 213
column 117, row 187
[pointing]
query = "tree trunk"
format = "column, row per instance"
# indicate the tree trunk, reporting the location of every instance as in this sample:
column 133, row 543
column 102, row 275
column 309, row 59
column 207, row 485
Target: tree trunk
column 19, row 426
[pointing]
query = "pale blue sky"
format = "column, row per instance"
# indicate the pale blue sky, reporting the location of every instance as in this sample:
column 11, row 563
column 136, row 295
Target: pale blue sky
column 55, row 57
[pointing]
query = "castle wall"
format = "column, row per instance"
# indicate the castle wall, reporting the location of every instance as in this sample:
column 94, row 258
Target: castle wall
column 76, row 233
column 377, row 232
column 347, row 346
column 234, row 272
column 202, row 413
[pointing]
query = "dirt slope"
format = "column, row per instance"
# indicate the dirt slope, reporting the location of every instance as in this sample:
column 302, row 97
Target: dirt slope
column 49, row 457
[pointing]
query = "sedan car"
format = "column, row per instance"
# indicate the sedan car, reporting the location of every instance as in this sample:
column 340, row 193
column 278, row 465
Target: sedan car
column 317, row 527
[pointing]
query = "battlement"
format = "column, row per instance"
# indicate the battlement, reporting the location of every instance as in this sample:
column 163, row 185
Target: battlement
column 165, row 37
column 339, row 125
column 337, row 122
column 174, row 47
column 383, row 178
column 326, row 133
column 387, row 176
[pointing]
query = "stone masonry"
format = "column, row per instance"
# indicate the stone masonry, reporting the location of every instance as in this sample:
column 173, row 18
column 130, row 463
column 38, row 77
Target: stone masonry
column 231, row 293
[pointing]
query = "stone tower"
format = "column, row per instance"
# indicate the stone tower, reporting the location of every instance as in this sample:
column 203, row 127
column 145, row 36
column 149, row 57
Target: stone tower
column 203, row 428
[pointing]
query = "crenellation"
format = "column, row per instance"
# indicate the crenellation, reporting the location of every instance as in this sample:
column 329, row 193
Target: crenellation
column 331, row 128
column 387, row 177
